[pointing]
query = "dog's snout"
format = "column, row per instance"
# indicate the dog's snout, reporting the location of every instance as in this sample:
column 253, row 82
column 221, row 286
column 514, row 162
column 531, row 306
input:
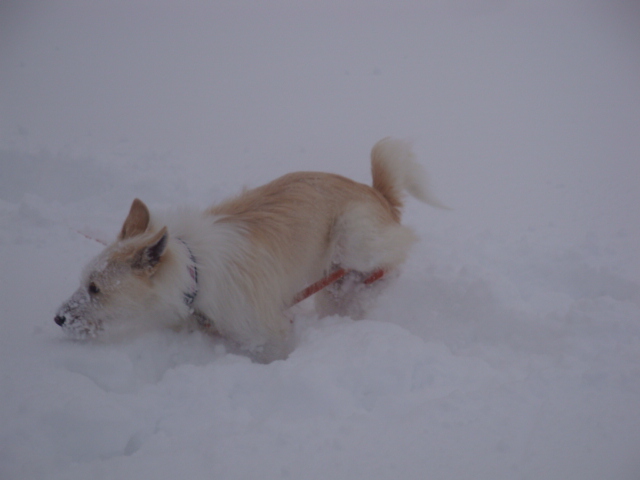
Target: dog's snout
column 60, row 319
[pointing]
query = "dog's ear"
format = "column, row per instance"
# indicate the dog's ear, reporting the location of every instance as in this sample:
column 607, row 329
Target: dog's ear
column 148, row 256
column 137, row 221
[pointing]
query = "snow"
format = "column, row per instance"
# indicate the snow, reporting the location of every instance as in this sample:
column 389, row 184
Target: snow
column 509, row 348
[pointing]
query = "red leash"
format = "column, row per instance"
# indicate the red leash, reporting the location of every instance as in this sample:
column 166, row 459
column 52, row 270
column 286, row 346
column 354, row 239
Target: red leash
column 328, row 280
column 89, row 237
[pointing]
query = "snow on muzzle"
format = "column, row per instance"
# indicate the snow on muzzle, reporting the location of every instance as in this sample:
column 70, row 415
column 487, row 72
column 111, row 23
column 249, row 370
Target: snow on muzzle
column 78, row 316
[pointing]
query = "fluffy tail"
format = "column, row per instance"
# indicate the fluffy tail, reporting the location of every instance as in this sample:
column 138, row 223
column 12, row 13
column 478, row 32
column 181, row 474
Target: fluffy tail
column 395, row 171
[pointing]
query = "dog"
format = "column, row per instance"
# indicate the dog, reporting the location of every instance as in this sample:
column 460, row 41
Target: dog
column 235, row 268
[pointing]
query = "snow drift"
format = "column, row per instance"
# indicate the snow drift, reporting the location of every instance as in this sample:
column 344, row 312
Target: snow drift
column 508, row 349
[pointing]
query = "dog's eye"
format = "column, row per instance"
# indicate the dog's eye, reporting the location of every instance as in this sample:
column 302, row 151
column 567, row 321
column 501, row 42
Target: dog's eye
column 93, row 288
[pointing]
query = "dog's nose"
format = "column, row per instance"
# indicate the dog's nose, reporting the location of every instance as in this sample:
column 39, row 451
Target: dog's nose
column 60, row 319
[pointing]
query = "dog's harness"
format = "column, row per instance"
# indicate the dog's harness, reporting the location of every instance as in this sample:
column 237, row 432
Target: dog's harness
column 190, row 295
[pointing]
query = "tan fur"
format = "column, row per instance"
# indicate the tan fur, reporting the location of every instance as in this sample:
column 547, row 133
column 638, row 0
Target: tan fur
column 294, row 215
column 253, row 254
column 383, row 185
column 137, row 221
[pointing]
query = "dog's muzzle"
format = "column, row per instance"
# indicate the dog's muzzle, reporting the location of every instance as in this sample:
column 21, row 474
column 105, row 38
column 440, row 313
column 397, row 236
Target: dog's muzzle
column 78, row 317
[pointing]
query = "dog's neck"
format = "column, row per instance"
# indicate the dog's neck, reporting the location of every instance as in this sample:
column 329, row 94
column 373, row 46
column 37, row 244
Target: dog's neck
column 189, row 296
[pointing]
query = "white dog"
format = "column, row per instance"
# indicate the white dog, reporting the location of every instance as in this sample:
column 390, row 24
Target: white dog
column 237, row 267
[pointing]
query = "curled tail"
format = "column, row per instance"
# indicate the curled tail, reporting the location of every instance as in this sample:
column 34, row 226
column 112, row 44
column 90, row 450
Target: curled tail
column 395, row 171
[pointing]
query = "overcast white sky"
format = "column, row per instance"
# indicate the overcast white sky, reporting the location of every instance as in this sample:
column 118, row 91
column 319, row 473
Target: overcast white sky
column 502, row 97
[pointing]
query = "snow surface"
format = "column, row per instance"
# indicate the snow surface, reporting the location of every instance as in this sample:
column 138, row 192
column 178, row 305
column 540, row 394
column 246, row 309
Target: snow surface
column 508, row 349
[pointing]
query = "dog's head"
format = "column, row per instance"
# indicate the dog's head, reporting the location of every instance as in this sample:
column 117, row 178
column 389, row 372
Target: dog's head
column 118, row 284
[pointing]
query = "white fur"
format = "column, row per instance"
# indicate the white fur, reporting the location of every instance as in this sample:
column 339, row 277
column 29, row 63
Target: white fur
column 408, row 174
column 253, row 253
column 364, row 245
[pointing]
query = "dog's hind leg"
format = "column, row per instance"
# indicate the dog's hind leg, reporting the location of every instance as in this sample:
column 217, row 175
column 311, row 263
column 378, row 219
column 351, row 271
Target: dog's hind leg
column 353, row 296
column 367, row 242
column 367, row 239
